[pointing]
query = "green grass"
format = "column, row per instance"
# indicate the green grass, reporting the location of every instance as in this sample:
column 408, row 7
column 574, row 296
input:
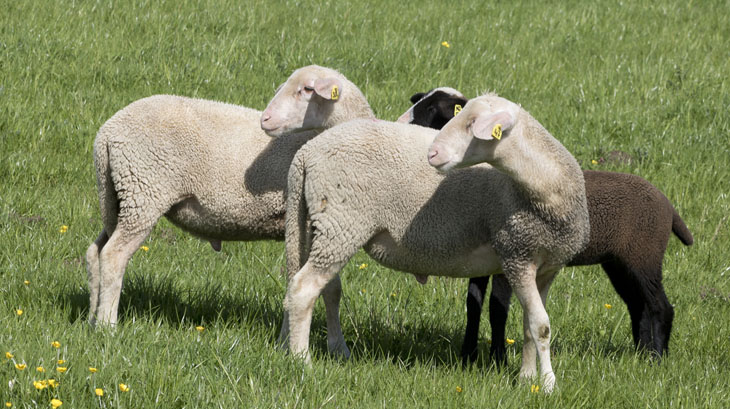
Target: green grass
column 645, row 78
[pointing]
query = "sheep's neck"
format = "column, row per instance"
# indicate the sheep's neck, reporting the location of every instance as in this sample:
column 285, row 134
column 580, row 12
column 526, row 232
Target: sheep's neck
column 355, row 107
column 544, row 176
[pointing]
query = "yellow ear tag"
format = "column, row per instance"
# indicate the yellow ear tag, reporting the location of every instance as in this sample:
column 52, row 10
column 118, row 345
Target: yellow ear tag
column 335, row 95
column 497, row 132
column 457, row 109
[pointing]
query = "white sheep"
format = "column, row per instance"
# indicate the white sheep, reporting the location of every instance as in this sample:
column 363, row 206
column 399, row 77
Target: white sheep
column 208, row 167
column 368, row 184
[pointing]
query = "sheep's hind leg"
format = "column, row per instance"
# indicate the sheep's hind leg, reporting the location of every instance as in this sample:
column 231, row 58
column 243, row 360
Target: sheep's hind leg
column 336, row 345
column 94, row 274
column 113, row 260
column 304, row 288
column 332, row 293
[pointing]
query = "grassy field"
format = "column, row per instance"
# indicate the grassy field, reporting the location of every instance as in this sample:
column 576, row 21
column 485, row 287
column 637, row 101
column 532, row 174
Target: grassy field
column 649, row 79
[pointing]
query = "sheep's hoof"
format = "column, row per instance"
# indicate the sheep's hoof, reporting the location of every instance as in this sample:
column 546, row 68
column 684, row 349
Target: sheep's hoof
column 548, row 382
column 339, row 350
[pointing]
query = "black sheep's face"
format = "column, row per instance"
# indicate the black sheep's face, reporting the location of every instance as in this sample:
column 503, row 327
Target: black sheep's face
column 433, row 109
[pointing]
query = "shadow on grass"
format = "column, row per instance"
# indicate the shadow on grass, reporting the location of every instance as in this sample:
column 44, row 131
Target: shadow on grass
column 159, row 298
column 372, row 337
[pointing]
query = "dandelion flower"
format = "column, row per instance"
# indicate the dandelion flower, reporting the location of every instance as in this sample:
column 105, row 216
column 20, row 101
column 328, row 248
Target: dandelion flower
column 99, row 392
column 56, row 344
column 8, row 355
column 26, row 282
column 56, row 403
column 510, row 341
column 63, row 229
column 608, row 306
column 20, row 367
column 61, row 369
column 123, row 387
column 200, row 328
column 445, row 44
column 92, row 369
column 40, row 369
column 145, row 248
column 458, row 389
column 19, row 312
column 535, row 388
column 593, row 161
column 363, row 266
column 61, row 361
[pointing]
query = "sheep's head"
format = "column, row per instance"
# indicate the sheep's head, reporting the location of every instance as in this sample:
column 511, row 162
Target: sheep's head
column 475, row 134
column 305, row 101
column 434, row 108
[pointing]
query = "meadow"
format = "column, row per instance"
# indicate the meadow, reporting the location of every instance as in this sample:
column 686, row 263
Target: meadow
column 198, row 328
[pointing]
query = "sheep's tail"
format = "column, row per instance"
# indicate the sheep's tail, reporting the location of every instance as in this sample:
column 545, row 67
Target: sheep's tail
column 680, row 229
column 108, row 201
column 297, row 227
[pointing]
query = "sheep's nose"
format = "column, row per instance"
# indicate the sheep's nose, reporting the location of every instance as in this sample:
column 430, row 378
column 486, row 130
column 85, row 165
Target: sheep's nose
column 265, row 117
column 432, row 154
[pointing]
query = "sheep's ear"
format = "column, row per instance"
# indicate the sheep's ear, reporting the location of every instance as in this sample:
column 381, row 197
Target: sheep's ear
column 491, row 126
column 417, row 97
column 328, row 88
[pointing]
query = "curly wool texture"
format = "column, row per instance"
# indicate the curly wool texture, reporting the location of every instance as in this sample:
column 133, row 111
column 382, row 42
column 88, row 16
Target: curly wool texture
column 206, row 165
column 367, row 183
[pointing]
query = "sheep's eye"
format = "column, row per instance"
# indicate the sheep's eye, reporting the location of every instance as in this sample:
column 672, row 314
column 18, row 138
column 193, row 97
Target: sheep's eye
column 308, row 89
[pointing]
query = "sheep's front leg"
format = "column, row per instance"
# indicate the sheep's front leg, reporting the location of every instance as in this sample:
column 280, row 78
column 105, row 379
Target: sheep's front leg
column 536, row 325
column 302, row 292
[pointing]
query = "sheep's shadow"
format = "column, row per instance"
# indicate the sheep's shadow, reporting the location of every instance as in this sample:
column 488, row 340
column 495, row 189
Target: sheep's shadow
column 370, row 338
column 159, row 299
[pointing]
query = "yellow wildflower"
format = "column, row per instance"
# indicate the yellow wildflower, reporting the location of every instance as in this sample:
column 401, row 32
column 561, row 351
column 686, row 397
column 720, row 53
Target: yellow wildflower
column 145, row 248
column 40, row 385
column 61, row 361
column 200, row 328
column 99, row 392
column 63, row 229
column 363, row 266
column 19, row 312
column 26, row 282
column 445, row 44
column 535, row 388
column 393, row 294
column 56, row 344
column 458, row 389
column 123, row 387
column 92, row 369
column 608, row 306
column 510, row 341
column 8, row 405
column 56, row 403
column 61, row 369
column 53, row 383
column 20, row 367
column 8, row 355
column 40, row 369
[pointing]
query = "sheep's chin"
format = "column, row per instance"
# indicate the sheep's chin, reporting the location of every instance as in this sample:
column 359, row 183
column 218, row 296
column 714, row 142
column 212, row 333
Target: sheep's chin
column 446, row 167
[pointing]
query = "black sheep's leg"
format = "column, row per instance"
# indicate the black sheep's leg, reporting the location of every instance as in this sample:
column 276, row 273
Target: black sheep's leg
column 629, row 291
column 474, row 302
column 499, row 302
